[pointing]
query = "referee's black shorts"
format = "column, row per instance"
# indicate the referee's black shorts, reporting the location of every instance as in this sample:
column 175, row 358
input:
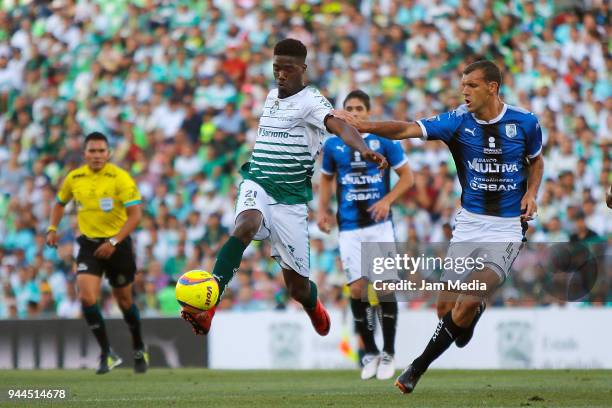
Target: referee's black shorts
column 120, row 268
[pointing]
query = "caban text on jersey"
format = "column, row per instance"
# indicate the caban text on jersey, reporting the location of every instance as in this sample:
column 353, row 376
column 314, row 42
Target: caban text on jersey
column 369, row 195
column 475, row 185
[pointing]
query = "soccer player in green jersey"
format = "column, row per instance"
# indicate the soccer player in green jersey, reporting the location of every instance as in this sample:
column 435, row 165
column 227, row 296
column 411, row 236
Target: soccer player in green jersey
column 272, row 198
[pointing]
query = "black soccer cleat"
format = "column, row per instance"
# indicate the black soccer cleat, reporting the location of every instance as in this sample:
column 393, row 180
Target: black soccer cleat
column 408, row 379
column 141, row 361
column 465, row 338
column 108, row 362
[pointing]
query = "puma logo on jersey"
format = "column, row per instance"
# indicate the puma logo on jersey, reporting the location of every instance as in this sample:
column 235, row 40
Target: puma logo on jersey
column 341, row 148
column 472, row 131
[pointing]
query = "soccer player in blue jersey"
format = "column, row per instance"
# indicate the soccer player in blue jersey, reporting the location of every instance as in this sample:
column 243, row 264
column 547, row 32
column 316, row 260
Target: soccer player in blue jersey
column 364, row 202
column 497, row 151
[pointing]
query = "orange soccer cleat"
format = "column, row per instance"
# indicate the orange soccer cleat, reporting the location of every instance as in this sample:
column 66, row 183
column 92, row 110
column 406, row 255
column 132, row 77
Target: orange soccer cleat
column 199, row 321
column 320, row 319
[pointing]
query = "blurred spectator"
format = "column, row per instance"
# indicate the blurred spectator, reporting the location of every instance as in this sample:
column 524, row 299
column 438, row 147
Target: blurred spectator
column 166, row 298
column 175, row 264
column 583, row 233
column 70, row 306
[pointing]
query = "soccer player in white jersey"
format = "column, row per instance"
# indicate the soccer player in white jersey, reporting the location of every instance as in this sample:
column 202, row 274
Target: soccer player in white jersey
column 497, row 150
column 364, row 197
column 272, row 199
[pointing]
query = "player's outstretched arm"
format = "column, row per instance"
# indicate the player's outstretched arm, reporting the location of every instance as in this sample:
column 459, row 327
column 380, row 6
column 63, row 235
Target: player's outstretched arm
column 534, row 178
column 390, row 129
column 351, row 137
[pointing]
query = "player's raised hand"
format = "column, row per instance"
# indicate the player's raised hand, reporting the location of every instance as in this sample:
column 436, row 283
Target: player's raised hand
column 371, row 155
column 324, row 221
column 380, row 209
column 528, row 207
column 347, row 117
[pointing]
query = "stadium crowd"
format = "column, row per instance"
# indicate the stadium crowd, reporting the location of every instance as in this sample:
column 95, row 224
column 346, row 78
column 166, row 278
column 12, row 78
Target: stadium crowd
column 178, row 87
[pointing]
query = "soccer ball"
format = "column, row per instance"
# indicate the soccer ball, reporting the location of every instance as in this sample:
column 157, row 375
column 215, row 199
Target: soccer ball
column 197, row 291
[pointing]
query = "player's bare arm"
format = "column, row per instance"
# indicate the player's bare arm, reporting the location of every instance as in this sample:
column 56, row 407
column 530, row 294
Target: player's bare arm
column 390, row 129
column 324, row 217
column 351, row 137
column 380, row 210
column 609, row 197
column 528, row 203
column 134, row 215
column 57, row 212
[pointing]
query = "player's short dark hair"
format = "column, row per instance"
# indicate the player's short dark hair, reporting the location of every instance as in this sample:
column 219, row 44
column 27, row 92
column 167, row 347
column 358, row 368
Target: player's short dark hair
column 491, row 71
column 291, row 47
column 358, row 94
column 95, row 136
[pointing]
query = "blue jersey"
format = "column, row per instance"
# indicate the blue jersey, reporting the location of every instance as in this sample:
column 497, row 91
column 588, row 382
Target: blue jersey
column 359, row 183
column 491, row 157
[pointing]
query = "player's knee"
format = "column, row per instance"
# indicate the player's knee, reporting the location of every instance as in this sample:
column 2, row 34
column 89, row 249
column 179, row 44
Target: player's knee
column 124, row 303
column 464, row 311
column 87, row 299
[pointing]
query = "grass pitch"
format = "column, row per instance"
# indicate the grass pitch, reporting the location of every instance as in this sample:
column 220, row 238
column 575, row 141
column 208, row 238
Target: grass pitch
column 296, row 389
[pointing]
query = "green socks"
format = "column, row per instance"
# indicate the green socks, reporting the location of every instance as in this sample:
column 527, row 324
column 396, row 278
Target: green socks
column 311, row 303
column 228, row 261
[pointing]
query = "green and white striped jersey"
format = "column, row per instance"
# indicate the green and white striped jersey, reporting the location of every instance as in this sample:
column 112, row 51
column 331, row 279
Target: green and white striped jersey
column 289, row 137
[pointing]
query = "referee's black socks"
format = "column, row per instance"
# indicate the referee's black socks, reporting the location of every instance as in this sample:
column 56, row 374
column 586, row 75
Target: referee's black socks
column 132, row 318
column 94, row 319
column 446, row 333
column 363, row 325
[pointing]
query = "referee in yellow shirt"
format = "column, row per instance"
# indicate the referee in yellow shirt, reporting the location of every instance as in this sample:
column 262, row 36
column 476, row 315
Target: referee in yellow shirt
column 108, row 209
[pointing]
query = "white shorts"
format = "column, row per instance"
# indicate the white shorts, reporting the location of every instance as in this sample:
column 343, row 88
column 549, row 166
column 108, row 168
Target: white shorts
column 497, row 240
column 350, row 247
column 285, row 225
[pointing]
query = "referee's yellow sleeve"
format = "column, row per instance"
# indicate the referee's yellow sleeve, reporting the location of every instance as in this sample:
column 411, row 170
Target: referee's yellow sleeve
column 127, row 190
column 64, row 195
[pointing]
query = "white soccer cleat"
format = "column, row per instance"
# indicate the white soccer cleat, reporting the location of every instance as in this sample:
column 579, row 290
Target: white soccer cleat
column 370, row 366
column 386, row 368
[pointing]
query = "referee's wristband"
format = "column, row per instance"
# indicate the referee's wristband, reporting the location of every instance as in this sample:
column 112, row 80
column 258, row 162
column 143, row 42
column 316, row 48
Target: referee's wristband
column 51, row 228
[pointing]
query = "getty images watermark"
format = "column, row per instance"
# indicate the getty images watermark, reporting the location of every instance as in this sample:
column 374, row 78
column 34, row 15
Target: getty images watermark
column 390, row 266
column 546, row 273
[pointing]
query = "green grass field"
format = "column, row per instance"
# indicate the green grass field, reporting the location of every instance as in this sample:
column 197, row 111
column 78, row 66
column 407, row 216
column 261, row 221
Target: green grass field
column 208, row 388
